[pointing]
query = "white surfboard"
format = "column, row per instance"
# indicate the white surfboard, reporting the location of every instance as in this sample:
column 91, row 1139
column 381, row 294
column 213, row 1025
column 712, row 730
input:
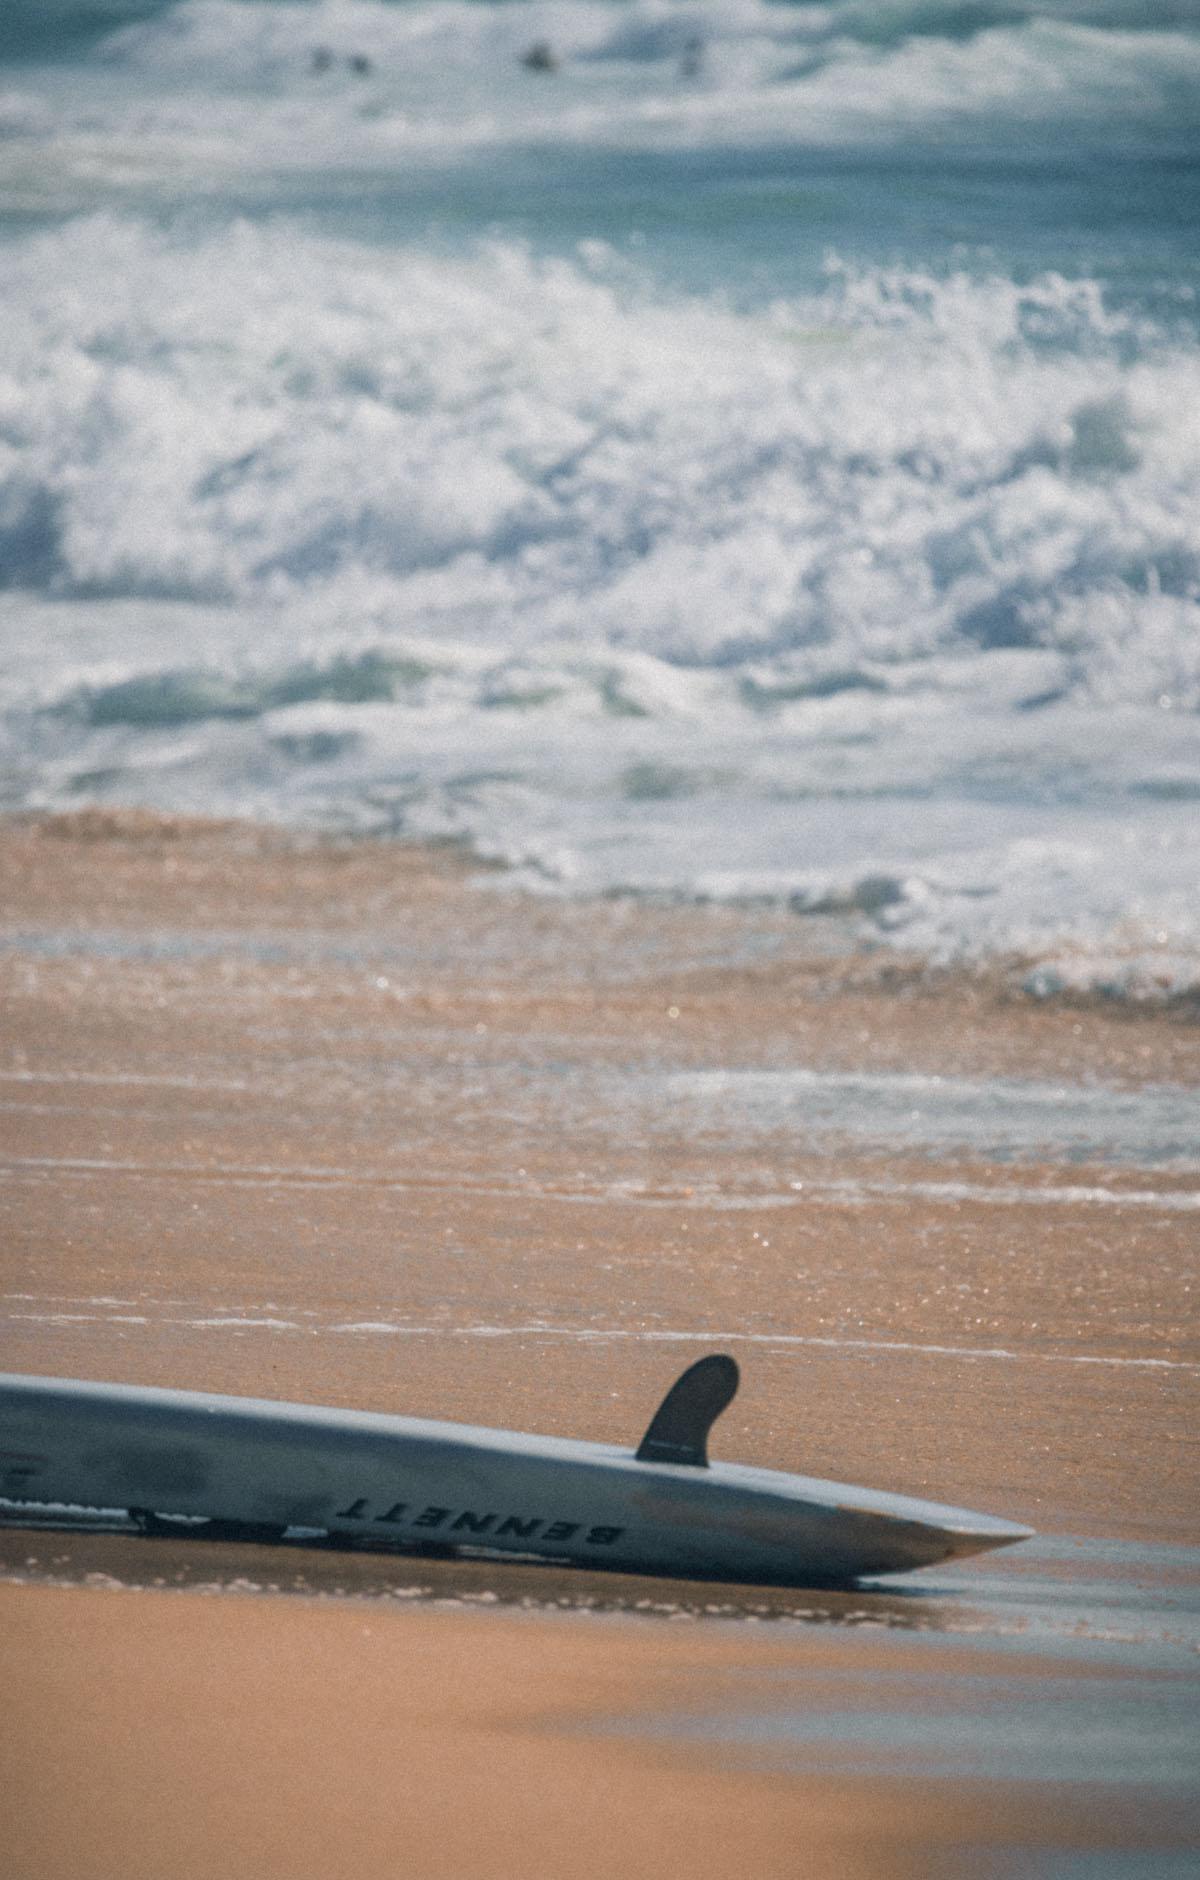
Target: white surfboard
column 256, row 1468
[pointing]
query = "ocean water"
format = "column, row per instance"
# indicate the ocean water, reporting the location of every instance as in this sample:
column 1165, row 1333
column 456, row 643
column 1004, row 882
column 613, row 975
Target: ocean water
column 756, row 457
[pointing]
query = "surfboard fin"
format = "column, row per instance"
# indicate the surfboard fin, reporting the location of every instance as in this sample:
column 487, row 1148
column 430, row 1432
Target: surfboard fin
column 679, row 1429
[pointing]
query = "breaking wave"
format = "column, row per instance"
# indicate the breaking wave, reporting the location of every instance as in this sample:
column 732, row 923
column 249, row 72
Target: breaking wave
column 527, row 452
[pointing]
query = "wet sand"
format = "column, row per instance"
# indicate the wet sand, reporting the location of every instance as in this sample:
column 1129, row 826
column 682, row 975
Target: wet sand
column 340, row 1124
column 180, row 1735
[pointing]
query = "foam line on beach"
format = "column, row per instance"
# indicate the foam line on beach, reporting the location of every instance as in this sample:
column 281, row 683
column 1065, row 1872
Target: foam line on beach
column 155, row 1079
column 588, row 1334
column 841, row 1189
column 1073, row 1194
column 785, row 1340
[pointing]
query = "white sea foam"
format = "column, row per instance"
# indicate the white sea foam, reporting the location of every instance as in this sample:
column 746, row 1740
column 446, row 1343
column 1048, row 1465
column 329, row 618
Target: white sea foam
column 549, row 451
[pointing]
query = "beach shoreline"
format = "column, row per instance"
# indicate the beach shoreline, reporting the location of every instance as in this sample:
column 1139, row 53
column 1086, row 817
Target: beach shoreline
column 332, row 1122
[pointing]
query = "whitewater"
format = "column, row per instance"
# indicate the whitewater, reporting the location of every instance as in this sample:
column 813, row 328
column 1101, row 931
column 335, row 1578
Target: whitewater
column 748, row 451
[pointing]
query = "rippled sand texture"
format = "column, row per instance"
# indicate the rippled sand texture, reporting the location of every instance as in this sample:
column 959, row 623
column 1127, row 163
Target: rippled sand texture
column 335, row 1123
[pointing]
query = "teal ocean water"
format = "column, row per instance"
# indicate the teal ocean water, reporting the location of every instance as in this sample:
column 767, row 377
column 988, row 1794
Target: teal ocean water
column 739, row 450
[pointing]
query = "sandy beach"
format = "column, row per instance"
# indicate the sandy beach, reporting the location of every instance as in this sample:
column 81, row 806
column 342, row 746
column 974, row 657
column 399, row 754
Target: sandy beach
column 343, row 1123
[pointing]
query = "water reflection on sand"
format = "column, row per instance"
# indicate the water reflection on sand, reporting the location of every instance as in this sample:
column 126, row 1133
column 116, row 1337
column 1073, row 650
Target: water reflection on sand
column 1068, row 1660
column 1054, row 1592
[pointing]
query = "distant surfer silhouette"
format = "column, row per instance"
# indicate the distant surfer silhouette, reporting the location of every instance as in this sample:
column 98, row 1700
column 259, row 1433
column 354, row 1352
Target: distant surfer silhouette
column 692, row 58
column 540, row 57
column 321, row 60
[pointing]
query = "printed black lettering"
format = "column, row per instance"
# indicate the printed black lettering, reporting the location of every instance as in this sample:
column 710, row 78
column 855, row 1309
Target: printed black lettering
column 357, row 1511
column 432, row 1517
column 561, row 1530
column 18, row 1473
column 395, row 1512
column 19, row 1465
column 475, row 1523
column 523, row 1530
column 603, row 1536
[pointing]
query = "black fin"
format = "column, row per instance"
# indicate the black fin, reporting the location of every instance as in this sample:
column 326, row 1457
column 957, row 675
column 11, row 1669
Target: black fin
column 679, row 1431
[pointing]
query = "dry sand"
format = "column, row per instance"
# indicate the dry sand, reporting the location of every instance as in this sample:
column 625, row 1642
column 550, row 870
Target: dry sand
column 332, row 1123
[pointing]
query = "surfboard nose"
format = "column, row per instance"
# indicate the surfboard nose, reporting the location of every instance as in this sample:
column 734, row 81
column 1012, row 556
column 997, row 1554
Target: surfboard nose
column 902, row 1535
column 984, row 1534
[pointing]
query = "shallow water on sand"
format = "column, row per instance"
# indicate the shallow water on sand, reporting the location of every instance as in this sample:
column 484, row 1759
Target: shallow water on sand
column 1066, row 1661
column 1054, row 1593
